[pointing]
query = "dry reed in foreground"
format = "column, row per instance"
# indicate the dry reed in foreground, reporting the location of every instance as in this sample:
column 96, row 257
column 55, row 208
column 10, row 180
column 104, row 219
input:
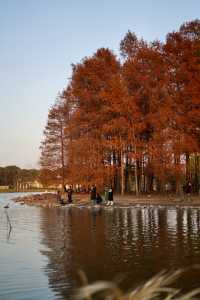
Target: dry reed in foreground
column 156, row 288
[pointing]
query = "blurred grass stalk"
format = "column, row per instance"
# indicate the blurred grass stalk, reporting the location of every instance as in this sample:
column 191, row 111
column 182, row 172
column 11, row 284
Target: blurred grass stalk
column 156, row 288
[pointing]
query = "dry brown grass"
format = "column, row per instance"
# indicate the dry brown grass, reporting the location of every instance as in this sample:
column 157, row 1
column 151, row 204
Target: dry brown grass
column 158, row 287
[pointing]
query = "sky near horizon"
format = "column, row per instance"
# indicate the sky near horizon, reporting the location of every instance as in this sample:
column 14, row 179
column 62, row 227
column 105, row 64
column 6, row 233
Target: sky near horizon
column 39, row 39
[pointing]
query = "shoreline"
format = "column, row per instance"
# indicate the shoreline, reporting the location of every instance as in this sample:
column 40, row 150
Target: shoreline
column 50, row 200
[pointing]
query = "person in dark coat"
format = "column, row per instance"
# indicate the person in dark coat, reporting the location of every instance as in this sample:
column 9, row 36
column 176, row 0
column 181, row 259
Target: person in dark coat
column 110, row 196
column 93, row 194
column 69, row 194
column 188, row 188
column 99, row 200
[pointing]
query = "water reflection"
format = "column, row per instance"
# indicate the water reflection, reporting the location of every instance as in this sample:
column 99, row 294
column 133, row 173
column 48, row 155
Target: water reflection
column 134, row 242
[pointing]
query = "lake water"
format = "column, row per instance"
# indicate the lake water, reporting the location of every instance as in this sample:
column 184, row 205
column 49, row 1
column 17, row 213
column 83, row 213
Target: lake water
column 41, row 255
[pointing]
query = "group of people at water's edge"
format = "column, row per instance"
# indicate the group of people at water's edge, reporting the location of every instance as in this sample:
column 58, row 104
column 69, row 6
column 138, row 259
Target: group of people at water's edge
column 65, row 196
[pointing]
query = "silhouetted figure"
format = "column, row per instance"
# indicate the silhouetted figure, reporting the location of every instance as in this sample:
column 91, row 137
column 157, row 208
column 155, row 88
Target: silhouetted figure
column 69, row 194
column 99, row 200
column 110, row 196
column 188, row 188
column 93, row 194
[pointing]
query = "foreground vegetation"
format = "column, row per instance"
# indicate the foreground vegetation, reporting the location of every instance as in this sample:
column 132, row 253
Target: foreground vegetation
column 159, row 287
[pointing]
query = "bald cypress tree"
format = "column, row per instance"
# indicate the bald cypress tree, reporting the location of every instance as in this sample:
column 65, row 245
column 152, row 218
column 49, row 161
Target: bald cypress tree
column 53, row 158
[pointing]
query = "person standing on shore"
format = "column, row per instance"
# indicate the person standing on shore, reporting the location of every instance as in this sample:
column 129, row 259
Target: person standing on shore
column 93, row 194
column 99, row 199
column 188, row 188
column 69, row 194
column 110, row 196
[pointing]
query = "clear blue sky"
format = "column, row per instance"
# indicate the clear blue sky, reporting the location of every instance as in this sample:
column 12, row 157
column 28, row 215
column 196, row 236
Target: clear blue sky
column 39, row 39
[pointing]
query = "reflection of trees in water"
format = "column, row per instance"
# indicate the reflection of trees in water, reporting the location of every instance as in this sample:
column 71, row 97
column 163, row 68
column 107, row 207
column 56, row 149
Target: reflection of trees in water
column 73, row 242
column 56, row 230
column 136, row 242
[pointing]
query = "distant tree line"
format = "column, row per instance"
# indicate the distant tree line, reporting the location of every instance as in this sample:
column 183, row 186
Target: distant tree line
column 11, row 175
column 132, row 121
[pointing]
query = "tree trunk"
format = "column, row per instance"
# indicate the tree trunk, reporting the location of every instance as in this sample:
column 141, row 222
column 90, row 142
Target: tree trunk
column 136, row 179
column 122, row 172
column 179, row 189
column 136, row 164
column 187, row 167
column 62, row 154
column 196, row 173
